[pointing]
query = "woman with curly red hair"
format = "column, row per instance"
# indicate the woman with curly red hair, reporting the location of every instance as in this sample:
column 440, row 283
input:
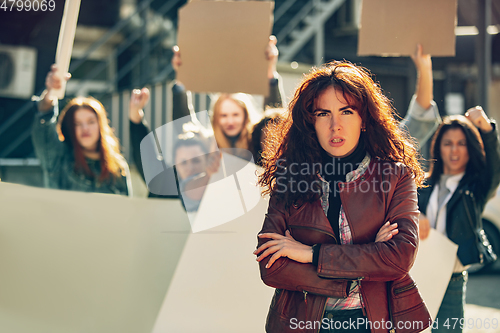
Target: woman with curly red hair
column 340, row 234
column 78, row 150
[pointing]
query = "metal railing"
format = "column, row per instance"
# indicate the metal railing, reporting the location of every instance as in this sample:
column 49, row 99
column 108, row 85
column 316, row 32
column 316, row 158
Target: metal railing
column 307, row 23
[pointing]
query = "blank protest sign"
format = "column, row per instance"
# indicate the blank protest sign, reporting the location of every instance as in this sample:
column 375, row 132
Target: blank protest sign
column 394, row 27
column 433, row 268
column 223, row 46
column 76, row 262
column 65, row 42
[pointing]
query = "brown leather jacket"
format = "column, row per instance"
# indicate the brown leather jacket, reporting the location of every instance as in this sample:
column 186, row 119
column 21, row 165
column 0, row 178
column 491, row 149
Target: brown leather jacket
column 385, row 192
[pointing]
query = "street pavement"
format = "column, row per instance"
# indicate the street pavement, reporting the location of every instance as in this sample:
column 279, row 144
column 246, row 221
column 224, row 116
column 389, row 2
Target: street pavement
column 482, row 311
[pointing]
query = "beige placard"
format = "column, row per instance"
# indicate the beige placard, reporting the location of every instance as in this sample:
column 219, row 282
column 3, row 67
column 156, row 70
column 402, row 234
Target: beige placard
column 76, row 262
column 395, row 27
column 223, row 46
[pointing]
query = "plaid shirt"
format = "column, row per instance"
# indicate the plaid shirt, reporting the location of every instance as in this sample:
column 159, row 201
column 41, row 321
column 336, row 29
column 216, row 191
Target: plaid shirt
column 353, row 301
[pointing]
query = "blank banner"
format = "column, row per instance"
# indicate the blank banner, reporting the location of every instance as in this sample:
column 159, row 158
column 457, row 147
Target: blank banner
column 223, row 46
column 394, row 27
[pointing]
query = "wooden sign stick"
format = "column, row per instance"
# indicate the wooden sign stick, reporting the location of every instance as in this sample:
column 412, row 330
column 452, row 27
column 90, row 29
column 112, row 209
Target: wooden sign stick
column 65, row 43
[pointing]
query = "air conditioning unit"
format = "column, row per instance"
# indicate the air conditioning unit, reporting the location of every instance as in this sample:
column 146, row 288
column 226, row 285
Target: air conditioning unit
column 17, row 71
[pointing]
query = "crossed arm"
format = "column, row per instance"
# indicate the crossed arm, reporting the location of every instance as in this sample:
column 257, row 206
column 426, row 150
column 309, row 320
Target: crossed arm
column 286, row 263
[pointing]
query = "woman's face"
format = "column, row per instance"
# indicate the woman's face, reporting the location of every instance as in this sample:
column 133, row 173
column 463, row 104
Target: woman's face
column 87, row 129
column 337, row 124
column 189, row 161
column 231, row 118
column 454, row 152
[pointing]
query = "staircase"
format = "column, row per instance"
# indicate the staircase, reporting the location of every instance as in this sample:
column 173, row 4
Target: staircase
column 296, row 22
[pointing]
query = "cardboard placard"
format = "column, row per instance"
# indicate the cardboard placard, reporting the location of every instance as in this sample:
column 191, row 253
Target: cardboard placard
column 395, row 27
column 223, row 45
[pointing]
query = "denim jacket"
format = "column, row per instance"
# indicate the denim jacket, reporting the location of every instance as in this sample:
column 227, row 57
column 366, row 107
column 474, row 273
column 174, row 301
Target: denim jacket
column 421, row 123
column 57, row 161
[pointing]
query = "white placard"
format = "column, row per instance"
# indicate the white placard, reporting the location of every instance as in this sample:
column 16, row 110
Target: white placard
column 216, row 286
column 76, row 262
column 65, row 42
column 433, row 267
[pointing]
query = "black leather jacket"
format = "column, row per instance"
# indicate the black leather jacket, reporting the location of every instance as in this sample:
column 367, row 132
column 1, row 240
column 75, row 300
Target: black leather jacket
column 463, row 211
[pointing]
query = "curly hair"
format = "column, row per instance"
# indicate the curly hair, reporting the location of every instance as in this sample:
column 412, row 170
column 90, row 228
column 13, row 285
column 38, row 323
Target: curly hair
column 475, row 147
column 270, row 116
column 293, row 141
column 111, row 160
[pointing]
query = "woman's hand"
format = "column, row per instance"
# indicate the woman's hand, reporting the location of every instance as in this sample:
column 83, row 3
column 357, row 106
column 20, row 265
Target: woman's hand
column 424, row 87
column 283, row 246
column 477, row 116
column 52, row 82
column 422, row 61
column 424, row 227
column 176, row 59
column 138, row 101
column 386, row 232
column 272, row 57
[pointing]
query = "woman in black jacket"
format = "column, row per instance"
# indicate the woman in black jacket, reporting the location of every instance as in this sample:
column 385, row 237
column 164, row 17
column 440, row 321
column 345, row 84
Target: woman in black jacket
column 463, row 177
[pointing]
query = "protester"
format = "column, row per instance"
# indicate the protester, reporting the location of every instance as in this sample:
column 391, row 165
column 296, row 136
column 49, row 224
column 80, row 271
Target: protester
column 463, row 175
column 190, row 154
column 78, row 151
column 139, row 128
column 231, row 121
column 340, row 234
column 139, row 98
column 194, row 165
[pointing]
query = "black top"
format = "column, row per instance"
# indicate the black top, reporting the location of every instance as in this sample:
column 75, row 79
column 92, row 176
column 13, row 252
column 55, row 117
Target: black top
column 233, row 139
column 334, row 171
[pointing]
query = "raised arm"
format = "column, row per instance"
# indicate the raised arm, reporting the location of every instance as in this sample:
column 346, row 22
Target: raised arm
column 275, row 97
column 44, row 136
column 424, row 88
column 138, row 126
column 47, row 100
column 180, row 104
column 422, row 118
column 489, row 135
column 138, row 100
